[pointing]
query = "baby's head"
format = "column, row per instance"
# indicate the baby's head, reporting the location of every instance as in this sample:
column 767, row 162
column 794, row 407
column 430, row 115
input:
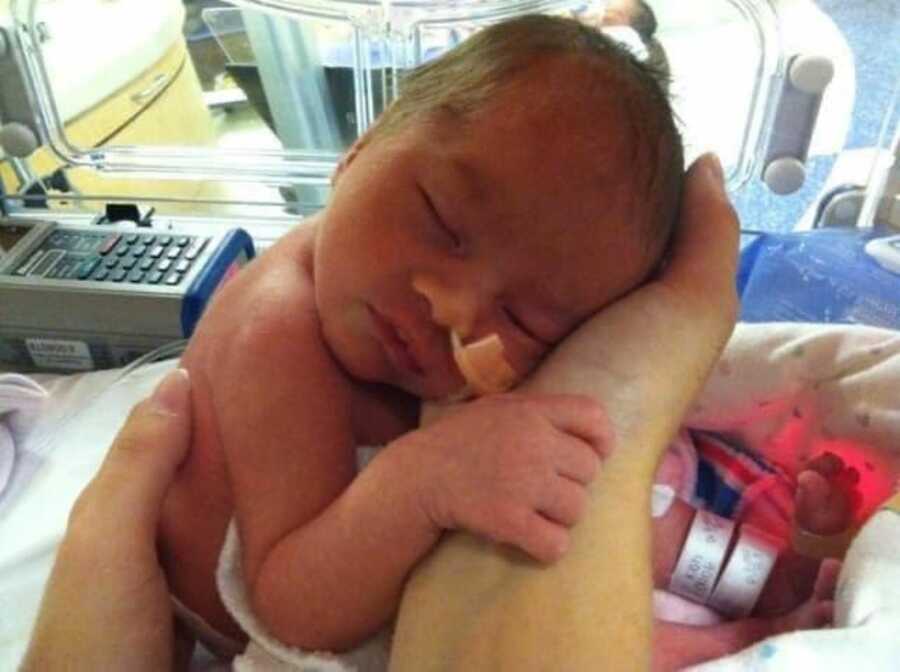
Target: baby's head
column 519, row 183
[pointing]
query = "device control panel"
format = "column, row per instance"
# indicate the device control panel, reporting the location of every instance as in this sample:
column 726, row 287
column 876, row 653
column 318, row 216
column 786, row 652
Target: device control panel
column 80, row 296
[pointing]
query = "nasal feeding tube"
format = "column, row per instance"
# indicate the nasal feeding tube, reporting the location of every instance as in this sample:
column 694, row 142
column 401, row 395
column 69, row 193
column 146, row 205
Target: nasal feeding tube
column 481, row 363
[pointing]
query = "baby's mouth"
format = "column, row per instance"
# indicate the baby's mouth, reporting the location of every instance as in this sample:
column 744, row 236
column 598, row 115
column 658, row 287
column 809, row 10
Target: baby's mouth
column 398, row 346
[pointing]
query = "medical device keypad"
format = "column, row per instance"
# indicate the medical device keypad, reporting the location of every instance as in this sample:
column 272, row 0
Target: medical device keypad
column 138, row 258
column 76, row 295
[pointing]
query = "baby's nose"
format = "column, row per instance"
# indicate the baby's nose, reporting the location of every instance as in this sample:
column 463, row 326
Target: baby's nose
column 482, row 362
column 451, row 307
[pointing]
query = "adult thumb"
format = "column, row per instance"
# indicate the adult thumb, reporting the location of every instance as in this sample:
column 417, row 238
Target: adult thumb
column 149, row 448
column 705, row 250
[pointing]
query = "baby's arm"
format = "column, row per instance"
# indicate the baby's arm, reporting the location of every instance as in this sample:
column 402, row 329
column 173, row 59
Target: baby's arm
column 325, row 555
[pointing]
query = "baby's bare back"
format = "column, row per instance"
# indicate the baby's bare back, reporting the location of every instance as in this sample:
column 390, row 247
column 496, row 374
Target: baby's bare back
column 256, row 361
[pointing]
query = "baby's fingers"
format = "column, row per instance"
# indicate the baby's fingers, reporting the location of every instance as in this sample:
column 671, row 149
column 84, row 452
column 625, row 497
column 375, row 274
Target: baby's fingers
column 565, row 503
column 543, row 539
column 577, row 462
column 827, row 464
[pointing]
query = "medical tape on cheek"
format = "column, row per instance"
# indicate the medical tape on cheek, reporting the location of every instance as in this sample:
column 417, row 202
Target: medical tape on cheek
column 483, row 364
column 746, row 573
column 701, row 557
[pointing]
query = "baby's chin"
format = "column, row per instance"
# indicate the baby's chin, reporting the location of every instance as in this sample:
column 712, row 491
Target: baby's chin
column 434, row 390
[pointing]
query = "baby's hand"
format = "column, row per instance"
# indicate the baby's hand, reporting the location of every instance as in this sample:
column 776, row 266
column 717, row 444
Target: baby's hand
column 827, row 495
column 513, row 468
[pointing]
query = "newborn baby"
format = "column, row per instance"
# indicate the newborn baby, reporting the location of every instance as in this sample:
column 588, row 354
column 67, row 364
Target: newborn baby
column 519, row 184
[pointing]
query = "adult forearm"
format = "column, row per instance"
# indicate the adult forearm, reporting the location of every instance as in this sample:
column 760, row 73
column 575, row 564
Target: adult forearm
column 359, row 551
column 592, row 609
column 645, row 358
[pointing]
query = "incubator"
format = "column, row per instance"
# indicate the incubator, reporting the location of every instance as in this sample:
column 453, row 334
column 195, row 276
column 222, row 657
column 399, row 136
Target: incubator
column 234, row 115
column 225, row 120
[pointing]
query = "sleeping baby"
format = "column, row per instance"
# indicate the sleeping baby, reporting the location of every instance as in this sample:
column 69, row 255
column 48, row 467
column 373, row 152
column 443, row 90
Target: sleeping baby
column 519, row 184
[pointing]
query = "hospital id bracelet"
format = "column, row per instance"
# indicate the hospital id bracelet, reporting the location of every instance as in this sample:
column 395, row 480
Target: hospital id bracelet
column 701, row 557
column 745, row 574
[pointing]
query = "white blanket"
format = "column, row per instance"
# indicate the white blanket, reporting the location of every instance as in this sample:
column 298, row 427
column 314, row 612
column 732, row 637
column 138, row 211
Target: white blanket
column 791, row 385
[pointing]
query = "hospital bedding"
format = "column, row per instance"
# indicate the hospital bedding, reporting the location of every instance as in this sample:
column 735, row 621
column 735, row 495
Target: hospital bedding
column 787, row 390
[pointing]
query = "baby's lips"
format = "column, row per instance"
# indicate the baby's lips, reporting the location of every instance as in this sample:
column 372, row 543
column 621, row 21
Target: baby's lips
column 482, row 364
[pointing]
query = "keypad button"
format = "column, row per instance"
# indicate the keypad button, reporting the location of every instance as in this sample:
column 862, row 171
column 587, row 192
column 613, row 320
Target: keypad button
column 182, row 241
column 173, row 252
column 88, row 267
column 157, row 251
column 165, row 240
column 131, row 238
column 155, row 277
column 164, row 265
column 136, row 275
column 111, row 262
column 119, row 275
column 194, row 250
column 139, row 250
column 128, row 263
column 182, row 266
column 123, row 249
column 108, row 244
column 100, row 274
column 146, row 264
column 148, row 240
column 173, row 279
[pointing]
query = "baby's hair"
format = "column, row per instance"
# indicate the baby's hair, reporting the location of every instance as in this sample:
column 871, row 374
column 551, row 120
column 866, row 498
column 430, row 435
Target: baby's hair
column 464, row 79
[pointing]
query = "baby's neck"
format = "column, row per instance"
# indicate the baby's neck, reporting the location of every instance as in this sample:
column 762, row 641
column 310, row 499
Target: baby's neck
column 381, row 413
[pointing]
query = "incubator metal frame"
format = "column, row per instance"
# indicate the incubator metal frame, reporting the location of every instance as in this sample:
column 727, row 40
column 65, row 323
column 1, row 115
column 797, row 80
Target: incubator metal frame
column 781, row 107
column 314, row 168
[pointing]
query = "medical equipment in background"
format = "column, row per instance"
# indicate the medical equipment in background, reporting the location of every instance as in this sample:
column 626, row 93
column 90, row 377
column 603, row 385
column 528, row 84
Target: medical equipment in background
column 94, row 112
column 65, row 287
column 886, row 251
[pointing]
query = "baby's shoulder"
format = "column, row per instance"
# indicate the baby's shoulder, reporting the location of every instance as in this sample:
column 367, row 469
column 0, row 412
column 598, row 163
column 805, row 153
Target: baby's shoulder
column 263, row 325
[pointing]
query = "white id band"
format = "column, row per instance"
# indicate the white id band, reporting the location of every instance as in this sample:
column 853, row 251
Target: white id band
column 661, row 499
column 702, row 556
column 746, row 574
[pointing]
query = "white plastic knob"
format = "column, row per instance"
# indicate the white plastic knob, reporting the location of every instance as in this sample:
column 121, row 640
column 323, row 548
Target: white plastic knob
column 18, row 140
column 811, row 74
column 785, row 175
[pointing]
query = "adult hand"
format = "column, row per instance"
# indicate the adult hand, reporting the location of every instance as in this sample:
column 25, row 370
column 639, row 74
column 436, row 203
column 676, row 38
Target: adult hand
column 675, row 325
column 645, row 358
column 106, row 606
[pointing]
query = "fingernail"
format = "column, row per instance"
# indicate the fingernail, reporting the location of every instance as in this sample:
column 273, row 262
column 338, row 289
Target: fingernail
column 714, row 166
column 172, row 393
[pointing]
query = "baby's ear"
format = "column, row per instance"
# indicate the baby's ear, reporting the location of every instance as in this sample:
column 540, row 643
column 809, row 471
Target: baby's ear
column 348, row 157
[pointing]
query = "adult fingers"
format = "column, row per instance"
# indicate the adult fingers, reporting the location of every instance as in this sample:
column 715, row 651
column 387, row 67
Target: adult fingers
column 143, row 458
column 705, row 249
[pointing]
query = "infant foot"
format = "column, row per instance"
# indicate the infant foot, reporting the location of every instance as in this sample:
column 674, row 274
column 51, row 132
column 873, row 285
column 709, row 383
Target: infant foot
column 818, row 610
column 827, row 495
